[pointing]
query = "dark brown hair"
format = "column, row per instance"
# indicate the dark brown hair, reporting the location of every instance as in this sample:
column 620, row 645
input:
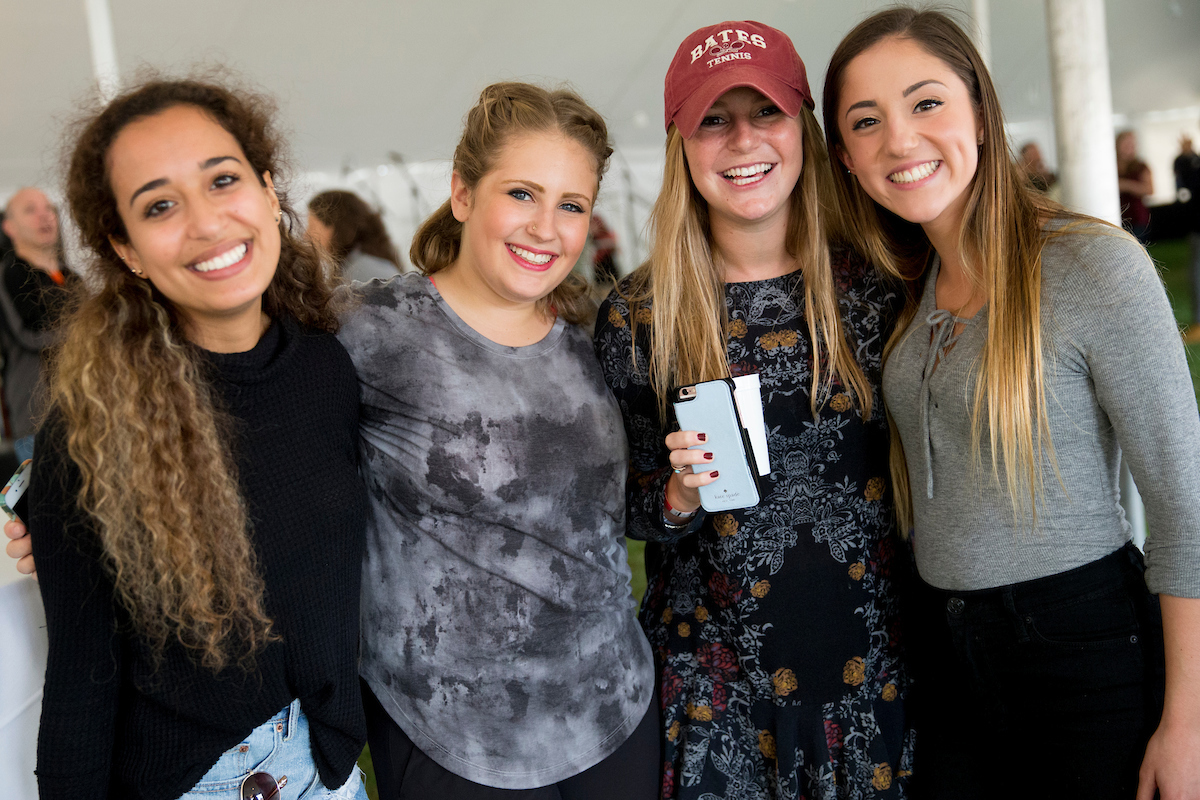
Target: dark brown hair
column 506, row 110
column 355, row 226
column 151, row 443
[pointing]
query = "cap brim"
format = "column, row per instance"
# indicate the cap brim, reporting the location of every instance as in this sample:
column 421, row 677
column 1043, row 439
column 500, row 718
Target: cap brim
column 687, row 118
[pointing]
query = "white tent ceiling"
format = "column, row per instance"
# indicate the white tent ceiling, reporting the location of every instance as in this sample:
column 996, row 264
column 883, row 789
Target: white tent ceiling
column 357, row 80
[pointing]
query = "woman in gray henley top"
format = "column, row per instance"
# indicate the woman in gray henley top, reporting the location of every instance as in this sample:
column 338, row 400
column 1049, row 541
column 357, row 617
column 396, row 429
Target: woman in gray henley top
column 1038, row 653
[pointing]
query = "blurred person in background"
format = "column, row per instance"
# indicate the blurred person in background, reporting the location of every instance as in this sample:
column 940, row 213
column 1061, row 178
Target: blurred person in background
column 1136, row 184
column 1041, row 176
column 5, row 242
column 604, row 249
column 343, row 224
column 35, row 287
column 1187, row 187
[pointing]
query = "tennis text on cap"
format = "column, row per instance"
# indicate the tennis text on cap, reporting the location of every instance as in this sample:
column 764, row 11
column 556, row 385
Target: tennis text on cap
column 732, row 41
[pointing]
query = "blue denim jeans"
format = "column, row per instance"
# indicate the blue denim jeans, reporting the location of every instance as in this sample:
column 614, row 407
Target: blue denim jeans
column 1044, row 689
column 280, row 747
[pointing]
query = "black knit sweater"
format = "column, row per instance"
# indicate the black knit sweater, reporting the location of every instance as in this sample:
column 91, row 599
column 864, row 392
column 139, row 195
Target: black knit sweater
column 114, row 726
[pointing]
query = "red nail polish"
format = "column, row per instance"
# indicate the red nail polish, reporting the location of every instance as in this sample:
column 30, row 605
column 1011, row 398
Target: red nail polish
column 708, row 456
column 713, row 474
column 702, row 437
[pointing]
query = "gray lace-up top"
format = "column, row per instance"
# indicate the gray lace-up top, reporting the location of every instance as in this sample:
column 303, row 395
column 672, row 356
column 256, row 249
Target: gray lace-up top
column 1116, row 380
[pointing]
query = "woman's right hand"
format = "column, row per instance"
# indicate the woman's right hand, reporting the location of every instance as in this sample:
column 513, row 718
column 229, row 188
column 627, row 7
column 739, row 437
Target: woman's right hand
column 683, row 488
column 20, row 547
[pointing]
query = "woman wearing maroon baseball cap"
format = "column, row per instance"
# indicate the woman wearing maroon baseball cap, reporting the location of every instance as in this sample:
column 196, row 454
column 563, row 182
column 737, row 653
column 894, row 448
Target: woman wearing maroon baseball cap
column 773, row 626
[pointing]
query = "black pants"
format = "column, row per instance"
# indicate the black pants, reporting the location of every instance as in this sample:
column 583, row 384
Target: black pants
column 403, row 772
column 1044, row 689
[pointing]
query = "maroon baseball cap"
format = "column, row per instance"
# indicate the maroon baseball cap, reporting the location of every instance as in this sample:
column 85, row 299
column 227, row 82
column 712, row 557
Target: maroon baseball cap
column 720, row 57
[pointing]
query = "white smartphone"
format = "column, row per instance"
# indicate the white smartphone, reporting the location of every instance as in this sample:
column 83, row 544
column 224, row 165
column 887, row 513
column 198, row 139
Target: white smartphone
column 12, row 498
column 709, row 408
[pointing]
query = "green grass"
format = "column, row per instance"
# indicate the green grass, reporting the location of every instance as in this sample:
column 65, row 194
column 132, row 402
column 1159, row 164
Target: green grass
column 1172, row 259
column 637, row 565
column 364, row 763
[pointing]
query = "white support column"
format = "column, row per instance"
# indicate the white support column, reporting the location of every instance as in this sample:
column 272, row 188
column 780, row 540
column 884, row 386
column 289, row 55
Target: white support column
column 981, row 14
column 104, row 48
column 1087, row 161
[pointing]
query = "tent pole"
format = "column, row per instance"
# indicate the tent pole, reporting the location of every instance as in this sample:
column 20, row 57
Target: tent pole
column 104, row 48
column 981, row 14
column 1087, row 161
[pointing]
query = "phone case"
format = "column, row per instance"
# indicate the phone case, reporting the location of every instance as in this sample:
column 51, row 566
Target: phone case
column 713, row 411
column 14, row 490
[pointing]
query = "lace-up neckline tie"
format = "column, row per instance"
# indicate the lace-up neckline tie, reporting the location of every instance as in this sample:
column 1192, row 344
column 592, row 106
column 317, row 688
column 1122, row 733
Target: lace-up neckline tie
column 942, row 323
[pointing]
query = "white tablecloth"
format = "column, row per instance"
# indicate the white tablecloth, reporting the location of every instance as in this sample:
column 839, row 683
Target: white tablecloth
column 23, row 647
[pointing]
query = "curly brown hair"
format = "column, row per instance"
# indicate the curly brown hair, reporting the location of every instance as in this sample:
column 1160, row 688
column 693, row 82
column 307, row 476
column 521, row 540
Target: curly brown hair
column 355, row 226
column 506, row 110
column 150, row 439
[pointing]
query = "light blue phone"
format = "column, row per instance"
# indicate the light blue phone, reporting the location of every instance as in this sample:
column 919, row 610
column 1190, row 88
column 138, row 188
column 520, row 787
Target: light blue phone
column 709, row 408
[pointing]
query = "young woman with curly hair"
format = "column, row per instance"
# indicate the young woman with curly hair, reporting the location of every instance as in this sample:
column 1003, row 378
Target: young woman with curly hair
column 1037, row 350
column 195, row 508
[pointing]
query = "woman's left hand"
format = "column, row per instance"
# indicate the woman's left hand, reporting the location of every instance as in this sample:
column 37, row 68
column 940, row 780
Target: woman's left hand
column 1172, row 761
column 1172, row 764
column 20, row 547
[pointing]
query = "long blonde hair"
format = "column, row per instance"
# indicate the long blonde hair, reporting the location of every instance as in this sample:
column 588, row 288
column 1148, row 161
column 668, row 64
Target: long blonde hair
column 1001, row 239
column 682, row 285
column 504, row 111
column 141, row 422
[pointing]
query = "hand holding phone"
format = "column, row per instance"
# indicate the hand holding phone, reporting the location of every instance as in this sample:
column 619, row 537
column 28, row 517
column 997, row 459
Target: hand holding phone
column 709, row 407
column 12, row 497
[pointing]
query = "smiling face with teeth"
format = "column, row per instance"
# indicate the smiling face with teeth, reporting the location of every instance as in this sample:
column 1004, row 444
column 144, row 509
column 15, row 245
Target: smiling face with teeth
column 746, row 158
column 910, row 133
column 526, row 221
column 200, row 224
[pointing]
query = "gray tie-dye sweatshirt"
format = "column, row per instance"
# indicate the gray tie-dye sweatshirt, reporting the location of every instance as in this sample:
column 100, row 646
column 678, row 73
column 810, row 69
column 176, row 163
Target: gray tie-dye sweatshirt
column 498, row 628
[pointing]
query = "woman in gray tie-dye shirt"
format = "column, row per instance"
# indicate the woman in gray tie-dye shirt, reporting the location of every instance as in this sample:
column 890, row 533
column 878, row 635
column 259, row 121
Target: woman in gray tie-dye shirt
column 499, row 643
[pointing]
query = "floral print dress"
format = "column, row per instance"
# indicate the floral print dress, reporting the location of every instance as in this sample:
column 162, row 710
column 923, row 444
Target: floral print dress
column 775, row 628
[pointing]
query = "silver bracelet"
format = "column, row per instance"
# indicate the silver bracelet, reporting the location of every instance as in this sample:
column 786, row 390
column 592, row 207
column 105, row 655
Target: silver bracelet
column 681, row 518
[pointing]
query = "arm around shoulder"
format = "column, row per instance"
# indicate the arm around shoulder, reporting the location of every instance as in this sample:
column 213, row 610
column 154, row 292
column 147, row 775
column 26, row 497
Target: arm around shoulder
column 626, row 371
column 84, row 664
